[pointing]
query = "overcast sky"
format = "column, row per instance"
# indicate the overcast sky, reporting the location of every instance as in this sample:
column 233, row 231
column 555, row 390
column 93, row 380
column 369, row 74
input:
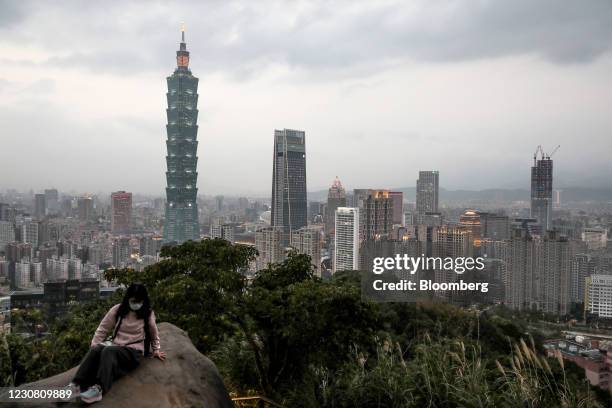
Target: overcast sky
column 382, row 89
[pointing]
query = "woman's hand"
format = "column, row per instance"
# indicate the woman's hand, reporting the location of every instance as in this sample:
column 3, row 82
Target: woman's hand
column 159, row 354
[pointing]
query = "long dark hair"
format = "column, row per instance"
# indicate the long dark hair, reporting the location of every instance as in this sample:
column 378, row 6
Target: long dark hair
column 139, row 292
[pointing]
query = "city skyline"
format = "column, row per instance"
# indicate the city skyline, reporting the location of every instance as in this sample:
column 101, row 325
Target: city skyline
column 546, row 90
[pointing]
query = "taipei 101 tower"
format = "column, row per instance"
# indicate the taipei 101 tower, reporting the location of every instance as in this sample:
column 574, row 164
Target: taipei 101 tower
column 181, row 192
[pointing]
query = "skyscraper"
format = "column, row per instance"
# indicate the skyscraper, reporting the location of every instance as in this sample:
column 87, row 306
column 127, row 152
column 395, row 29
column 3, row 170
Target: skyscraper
column 85, row 208
column 40, row 206
column 182, row 129
column 427, row 190
column 289, row 205
column 346, row 249
column 121, row 211
column 541, row 189
column 336, row 197
column 52, row 200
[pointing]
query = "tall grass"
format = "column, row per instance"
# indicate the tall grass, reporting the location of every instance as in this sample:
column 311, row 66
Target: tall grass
column 450, row 374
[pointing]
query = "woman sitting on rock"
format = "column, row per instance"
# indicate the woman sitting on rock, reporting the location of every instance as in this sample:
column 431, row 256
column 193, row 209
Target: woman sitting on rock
column 133, row 334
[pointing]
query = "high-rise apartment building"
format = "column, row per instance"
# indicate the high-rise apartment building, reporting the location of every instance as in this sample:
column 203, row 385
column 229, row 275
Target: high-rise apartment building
column 538, row 272
column 7, row 234
column 398, row 207
column 427, row 192
column 219, row 229
column 336, row 197
column 582, row 267
column 22, row 275
column 57, row 268
column 29, row 231
column 122, row 251
column 346, row 244
column 181, row 206
column 541, row 189
column 121, row 212
column 269, row 244
column 289, row 202
column 309, row 241
column 376, row 214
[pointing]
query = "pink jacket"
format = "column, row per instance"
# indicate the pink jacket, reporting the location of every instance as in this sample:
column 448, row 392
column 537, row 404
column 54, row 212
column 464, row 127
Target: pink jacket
column 131, row 330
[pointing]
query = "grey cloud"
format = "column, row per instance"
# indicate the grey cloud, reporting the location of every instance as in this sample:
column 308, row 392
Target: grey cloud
column 245, row 37
column 11, row 13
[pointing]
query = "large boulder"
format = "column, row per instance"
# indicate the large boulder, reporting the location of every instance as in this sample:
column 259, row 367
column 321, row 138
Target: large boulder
column 185, row 379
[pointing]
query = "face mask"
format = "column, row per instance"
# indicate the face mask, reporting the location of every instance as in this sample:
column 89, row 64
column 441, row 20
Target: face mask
column 135, row 306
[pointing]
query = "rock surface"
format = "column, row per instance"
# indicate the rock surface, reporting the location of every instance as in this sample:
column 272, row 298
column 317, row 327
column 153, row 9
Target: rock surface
column 185, row 379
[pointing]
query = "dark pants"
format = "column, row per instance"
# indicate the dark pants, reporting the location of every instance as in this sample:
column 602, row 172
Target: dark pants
column 104, row 364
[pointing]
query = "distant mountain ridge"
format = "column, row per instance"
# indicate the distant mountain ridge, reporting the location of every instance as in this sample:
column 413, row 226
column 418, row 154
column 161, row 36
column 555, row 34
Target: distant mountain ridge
column 569, row 194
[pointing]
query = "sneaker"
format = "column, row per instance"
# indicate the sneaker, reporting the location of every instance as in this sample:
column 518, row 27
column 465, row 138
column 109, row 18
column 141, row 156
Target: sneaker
column 93, row 394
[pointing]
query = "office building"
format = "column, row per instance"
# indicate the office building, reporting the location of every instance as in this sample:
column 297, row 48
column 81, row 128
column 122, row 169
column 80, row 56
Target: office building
column 494, row 226
column 598, row 296
column 346, row 244
column 85, row 208
column 121, row 212
column 427, row 192
column 289, row 202
column 4, row 212
column 595, row 238
column 40, row 206
column 52, row 201
column 182, row 175
column 150, row 245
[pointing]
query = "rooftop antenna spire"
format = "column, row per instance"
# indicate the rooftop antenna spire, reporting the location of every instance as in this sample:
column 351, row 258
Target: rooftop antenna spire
column 183, row 31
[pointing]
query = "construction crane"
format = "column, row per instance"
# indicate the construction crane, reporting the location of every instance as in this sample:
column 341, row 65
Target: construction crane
column 554, row 151
column 543, row 154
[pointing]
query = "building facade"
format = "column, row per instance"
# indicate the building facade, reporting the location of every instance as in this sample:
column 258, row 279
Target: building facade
column 181, row 176
column 541, row 190
column 336, row 197
column 121, row 212
column 346, row 244
column 427, row 192
column 289, row 201
column 309, row 241
column 269, row 244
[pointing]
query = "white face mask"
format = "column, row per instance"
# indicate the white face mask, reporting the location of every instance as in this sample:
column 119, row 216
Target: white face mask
column 135, row 306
